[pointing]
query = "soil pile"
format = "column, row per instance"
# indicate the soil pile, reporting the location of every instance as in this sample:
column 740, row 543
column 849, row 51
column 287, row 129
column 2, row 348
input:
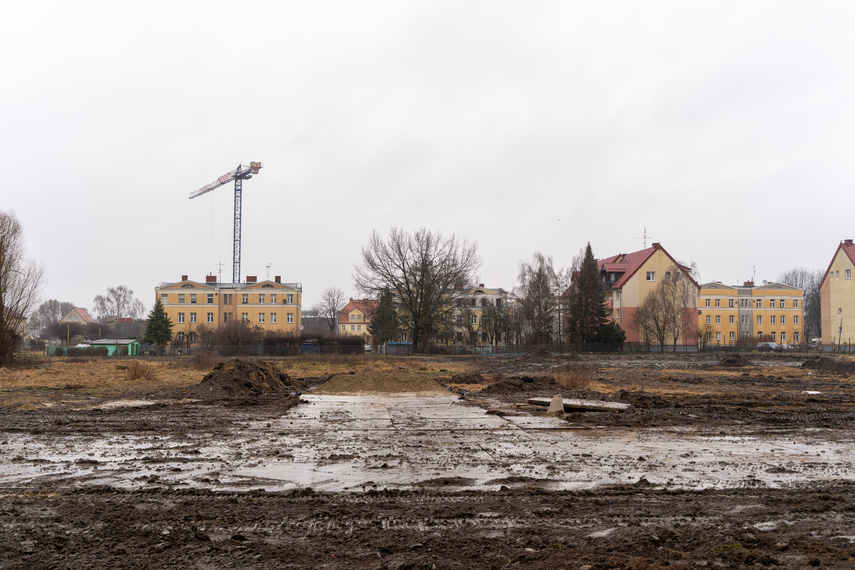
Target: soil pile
column 246, row 380
column 525, row 385
column 467, row 378
column 538, row 354
column 734, row 361
column 829, row 364
column 379, row 382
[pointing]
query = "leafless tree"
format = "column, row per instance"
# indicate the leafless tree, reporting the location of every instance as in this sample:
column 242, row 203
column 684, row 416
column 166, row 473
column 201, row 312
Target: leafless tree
column 49, row 313
column 535, row 295
column 119, row 302
column 331, row 303
column 661, row 316
column 20, row 283
column 420, row 270
column 808, row 281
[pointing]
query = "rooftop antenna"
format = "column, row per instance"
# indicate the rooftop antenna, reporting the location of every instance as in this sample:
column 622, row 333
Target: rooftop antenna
column 268, row 271
column 220, row 272
column 644, row 237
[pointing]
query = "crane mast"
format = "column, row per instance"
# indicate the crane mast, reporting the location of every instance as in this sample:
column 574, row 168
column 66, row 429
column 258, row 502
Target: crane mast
column 239, row 174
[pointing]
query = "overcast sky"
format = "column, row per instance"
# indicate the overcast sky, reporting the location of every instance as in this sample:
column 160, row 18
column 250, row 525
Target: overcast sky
column 727, row 129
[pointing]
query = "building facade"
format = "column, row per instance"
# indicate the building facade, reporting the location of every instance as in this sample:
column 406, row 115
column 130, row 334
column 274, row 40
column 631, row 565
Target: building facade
column 749, row 314
column 475, row 315
column 837, row 298
column 355, row 318
column 77, row 315
column 269, row 306
column 629, row 277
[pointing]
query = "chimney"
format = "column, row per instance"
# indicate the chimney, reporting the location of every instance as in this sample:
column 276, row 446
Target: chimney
column 184, row 278
column 278, row 279
column 655, row 244
column 748, row 284
column 210, row 279
column 480, row 285
column 848, row 242
column 251, row 279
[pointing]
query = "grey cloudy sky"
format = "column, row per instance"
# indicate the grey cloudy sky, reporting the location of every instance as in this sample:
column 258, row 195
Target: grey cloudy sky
column 726, row 128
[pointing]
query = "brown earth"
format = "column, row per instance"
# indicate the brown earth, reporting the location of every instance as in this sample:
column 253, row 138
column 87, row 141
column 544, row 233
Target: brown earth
column 49, row 524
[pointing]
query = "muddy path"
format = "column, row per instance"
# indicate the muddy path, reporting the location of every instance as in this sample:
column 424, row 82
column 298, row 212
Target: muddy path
column 750, row 465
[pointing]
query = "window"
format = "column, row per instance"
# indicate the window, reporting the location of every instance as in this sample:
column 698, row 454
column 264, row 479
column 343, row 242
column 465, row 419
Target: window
column 472, row 302
column 229, row 299
column 732, row 335
column 773, row 336
column 244, row 298
column 730, row 303
column 783, row 319
column 163, row 298
column 731, row 319
column 352, row 328
column 474, row 319
column 180, row 337
column 180, row 317
column 273, row 298
column 261, row 298
column 352, row 317
column 795, row 303
column 343, row 328
column 181, row 298
column 718, row 337
column 839, row 311
column 759, row 335
column 780, row 304
column 358, row 328
column 651, row 276
column 709, row 321
column 192, row 337
column 759, row 303
column 772, row 319
column 290, row 298
column 192, row 318
column 244, row 317
column 795, row 319
column 260, row 318
column 289, row 317
column 667, row 275
column 837, row 274
column 193, row 299
column 709, row 335
column 210, row 298
column 796, row 337
column 783, row 337
column 759, row 319
column 718, row 319
column 210, row 318
column 272, row 318
column 847, row 274
column 718, row 302
column 706, row 302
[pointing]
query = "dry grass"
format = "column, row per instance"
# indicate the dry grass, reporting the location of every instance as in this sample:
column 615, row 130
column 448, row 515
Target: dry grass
column 575, row 376
column 137, row 370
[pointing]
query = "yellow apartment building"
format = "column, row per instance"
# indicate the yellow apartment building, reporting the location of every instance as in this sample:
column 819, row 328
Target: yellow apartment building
column 629, row 277
column 269, row 306
column 355, row 318
column 750, row 314
column 837, row 298
column 473, row 312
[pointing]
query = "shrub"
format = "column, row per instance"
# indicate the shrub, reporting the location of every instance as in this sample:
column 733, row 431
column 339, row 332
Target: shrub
column 575, row 376
column 137, row 370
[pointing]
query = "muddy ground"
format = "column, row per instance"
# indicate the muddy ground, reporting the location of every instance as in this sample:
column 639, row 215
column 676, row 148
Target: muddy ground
column 153, row 480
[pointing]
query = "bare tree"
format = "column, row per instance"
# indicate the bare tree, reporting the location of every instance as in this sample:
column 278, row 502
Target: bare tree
column 420, row 271
column 331, row 303
column 651, row 318
column 808, row 281
column 535, row 295
column 662, row 315
column 119, row 302
column 49, row 313
column 20, row 283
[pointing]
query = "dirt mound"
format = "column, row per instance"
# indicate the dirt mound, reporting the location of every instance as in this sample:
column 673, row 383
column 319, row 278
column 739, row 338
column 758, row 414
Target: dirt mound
column 734, row 361
column 244, row 380
column 643, row 399
column 528, row 385
column 467, row 378
column 379, row 382
column 538, row 354
column 830, row 364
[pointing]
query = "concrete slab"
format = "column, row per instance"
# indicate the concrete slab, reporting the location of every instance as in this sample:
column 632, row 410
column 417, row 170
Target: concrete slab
column 593, row 405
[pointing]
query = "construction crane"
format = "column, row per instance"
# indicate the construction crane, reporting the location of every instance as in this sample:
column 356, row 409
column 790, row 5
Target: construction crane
column 239, row 174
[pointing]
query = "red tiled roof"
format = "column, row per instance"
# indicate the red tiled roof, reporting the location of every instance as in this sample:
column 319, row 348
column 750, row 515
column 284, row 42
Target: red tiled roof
column 84, row 315
column 366, row 306
column 630, row 263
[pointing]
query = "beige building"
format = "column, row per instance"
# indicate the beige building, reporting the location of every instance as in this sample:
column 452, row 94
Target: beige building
column 748, row 313
column 837, row 298
column 269, row 306
column 629, row 277
column 355, row 318
column 77, row 315
column 474, row 316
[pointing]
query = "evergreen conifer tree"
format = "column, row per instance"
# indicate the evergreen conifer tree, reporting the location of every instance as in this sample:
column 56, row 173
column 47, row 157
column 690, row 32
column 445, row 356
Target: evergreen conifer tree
column 384, row 321
column 588, row 312
column 159, row 328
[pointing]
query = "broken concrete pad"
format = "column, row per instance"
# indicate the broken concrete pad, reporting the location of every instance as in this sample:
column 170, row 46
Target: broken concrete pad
column 556, row 405
column 570, row 404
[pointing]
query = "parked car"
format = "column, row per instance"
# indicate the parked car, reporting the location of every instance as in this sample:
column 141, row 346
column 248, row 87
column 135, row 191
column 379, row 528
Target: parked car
column 787, row 347
column 767, row 346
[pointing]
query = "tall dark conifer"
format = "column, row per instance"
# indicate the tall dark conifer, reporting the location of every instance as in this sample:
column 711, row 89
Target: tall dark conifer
column 588, row 312
column 159, row 328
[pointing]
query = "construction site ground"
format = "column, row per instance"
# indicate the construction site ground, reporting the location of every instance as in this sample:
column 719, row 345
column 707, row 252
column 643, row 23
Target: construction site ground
column 720, row 461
